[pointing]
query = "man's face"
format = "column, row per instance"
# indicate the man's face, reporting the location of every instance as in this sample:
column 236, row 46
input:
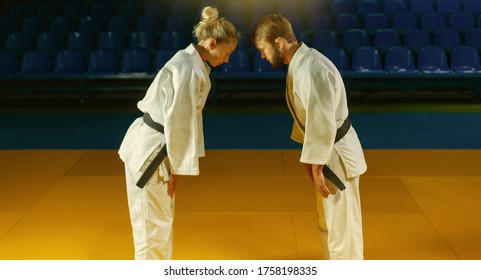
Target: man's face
column 270, row 53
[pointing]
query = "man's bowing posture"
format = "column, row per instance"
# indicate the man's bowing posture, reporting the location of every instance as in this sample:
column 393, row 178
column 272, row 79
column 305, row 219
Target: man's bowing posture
column 331, row 150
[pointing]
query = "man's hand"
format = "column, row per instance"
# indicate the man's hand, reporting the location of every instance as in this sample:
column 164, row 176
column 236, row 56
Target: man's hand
column 172, row 183
column 315, row 173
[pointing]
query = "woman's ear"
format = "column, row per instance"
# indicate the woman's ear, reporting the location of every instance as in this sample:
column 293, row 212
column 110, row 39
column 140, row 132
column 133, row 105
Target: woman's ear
column 212, row 44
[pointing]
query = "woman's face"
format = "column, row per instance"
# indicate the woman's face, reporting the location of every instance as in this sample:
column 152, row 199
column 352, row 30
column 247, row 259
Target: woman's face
column 220, row 52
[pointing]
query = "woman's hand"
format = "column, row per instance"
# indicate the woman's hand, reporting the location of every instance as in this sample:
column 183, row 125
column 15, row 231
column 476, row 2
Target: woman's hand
column 172, row 183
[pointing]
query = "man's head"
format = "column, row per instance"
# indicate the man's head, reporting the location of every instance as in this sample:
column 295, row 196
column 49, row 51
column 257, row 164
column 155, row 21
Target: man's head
column 270, row 35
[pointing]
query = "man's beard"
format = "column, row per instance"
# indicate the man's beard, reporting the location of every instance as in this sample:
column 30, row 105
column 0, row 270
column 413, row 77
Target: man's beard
column 277, row 59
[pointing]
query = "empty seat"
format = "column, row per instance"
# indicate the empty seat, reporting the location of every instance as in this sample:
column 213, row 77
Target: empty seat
column 404, row 22
column 74, row 9
column 447, row 39
column 420, row 7
column 62, row 24
column 448, row 7
column 7, row 25
column 347, row 21
column 102, row 62
column 324, row 39
column 400, row 60
column 22, row 10
column 238, row 63
column 34, row 25
column 36, row 62
column 174, row 40
column 8, row 66
column 81, row 41
column 142, row 40
column 432, row 22
column 48, row 10
column 177, row 23
column 341, row 6
column 101, row 9
column 392, row 7
column 113, row 40
column 465, row 60
column 161, row 57
column 120, row 24
column 367, row 60
column 461, row 22
column 473, row 38
column 19, row 42
column 69, row 62
column 432, row 60
column 385, row 39
column 136, row 61
column 148, row 23
column 472, row 7
column 129, row 9
column 365, row 7
column 416, row 39
column 375, row 21
column 355, row 38
column 297, row 22
column 319, row 21
column 50, row 41
column 339, row 58
column 91, row 24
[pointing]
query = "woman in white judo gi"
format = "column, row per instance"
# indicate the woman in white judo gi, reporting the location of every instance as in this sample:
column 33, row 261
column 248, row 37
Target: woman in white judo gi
column 168, row 140
column 331, row 150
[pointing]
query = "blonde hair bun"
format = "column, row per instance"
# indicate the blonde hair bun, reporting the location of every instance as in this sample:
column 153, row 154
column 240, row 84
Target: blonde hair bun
column 210, row 14
column 213, row 26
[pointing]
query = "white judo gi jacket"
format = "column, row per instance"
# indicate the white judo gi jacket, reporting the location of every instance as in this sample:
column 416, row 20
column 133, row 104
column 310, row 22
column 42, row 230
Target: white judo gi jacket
column 175, row 99
column 317, row 99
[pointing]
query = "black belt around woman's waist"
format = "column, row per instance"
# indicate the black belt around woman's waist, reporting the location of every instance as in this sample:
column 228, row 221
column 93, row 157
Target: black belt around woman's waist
column 150, row 170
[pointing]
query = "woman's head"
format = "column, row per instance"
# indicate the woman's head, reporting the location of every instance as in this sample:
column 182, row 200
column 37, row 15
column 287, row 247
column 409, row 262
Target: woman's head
column 217, row 35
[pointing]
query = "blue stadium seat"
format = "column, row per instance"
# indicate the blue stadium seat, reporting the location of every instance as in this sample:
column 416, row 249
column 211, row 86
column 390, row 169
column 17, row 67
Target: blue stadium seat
column 347, row 21
column 420, row 7
column 128, row 9
column 48, row 10
column 404, row 22
column 325, row 38
column 314, row 7
column 148, row 23
column 174, row 40
column 19, row 42
column 432, row 22
column 393, row 7
column 375, row 21
column 355, row 38
column 465, row 60
column 113, row 40
column 62, row 24
column 22, row 10
column 319, row 21
column 161, row 57
column 101, row 9
column 432, row 60
column 50, row 42
column 91, row 24
column 472, row 7
column 120, row 24
column 75, row 9
column 8, row 67
column 339, row 58
column 69, row 62
column 479, row 22
column 400, row 60
column 365, row 7
column 142, row 40
column 473, row 39
column 385, row 39
column 238, row 63
column 416, row 39
column 448, row 7
column 136, row 61
column 447, row 39
column 367, row 60
column 177, row 24
column 102, row 62
column 301, row 36
column 81, row 41
column 8, row 25
column 36, row 62
column 297, row 21
column 341, row 7
column 34, row 25
column 461, row 22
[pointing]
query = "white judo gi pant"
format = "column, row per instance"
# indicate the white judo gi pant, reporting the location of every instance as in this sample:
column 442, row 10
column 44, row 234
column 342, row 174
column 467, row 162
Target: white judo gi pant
column 152, row 216
column 339, row 217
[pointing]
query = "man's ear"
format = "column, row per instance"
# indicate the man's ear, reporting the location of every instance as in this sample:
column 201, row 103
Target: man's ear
column 279, row 43
column 212, row 44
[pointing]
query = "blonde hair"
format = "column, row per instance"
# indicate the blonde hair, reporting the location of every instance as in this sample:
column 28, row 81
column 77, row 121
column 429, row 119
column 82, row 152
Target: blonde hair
column 272, row 27
column 215, row 27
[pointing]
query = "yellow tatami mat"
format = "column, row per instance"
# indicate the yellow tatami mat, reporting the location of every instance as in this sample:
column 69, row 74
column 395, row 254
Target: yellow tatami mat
column 249, row 204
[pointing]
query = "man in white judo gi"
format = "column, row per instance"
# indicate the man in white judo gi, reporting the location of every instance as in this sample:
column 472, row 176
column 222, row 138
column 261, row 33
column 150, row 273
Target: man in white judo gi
column 331, row 150
column 168, row 140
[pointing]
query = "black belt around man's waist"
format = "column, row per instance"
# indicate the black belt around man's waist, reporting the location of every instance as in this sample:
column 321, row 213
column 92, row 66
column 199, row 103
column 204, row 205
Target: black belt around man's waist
column 341, row 132
column 150, row 170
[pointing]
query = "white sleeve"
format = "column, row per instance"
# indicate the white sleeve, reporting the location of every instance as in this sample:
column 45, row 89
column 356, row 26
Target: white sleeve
column 181, row 122
column 316, row 88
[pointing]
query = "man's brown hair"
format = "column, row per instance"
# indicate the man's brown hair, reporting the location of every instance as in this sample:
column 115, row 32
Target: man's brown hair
column 272, row 27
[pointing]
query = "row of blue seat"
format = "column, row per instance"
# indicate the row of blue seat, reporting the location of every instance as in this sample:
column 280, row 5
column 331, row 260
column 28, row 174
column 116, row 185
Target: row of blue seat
column 365, row 60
